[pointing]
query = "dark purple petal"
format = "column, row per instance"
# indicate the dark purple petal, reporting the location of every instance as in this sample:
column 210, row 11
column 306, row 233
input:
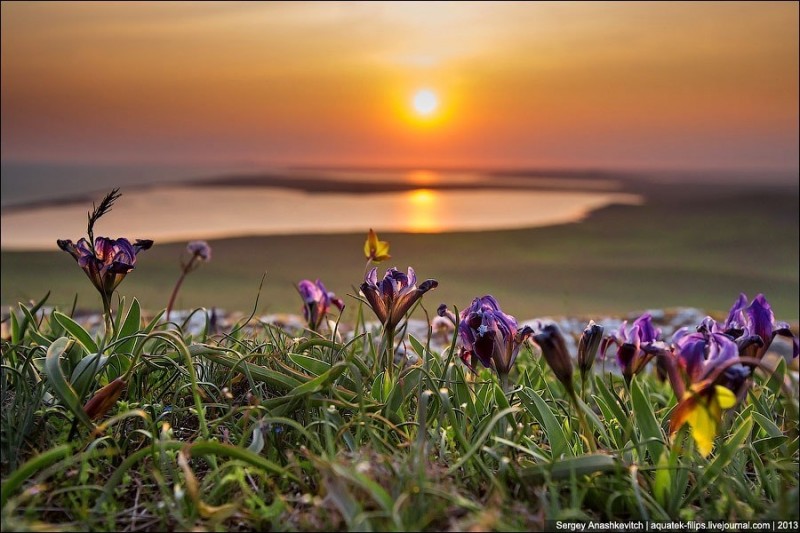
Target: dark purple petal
column 625, row 358
column 444, row 312
column 486, row 346
column 85, row 253
column 468, row 358
column 427, row 285
column 735, row 323
column 749, row 346
column 338, row 302
column 554, row 350
column 588, row 345
column 387, row 287
column 647, row 332
column 605, row 344
column 68, row 246
column 375, row 300
column 721, row 349
column 782, row 329
column 761, row 319
column 691, row 351
column 145, row 244
column 709, row 325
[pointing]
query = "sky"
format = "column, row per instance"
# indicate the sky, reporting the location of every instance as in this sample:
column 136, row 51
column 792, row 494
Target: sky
column 600, row 85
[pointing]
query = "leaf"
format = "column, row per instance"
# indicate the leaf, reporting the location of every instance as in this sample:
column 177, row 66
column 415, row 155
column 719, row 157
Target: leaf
column 257, row 441
column 61, row 387
column 500, row 397
column 767, row 425
column 649, row 428
column 15, row 330
column 131, row 325
column 310, row 364
column 75, row 329
column 775, row 381
column 419, row 348
column 377, row 388
column 594, row 419
column 318, row 383
column 28, row 318
column 37, row 463
column 612, row 402
column 536, row 406
column 565, row 468
column 662, row 483
column 86, row 369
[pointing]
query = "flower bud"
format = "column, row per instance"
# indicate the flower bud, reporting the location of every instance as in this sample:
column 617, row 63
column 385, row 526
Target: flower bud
column 556, row 354
column 104, row 399
column 587, row 347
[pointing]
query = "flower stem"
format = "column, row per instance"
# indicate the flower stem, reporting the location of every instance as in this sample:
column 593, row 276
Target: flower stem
column 186, row 269
column 389, row 350
column 588, row 434
column 109, row 321
column 174, row 294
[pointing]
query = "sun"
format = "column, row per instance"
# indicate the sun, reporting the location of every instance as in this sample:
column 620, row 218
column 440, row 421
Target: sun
column 425, row 102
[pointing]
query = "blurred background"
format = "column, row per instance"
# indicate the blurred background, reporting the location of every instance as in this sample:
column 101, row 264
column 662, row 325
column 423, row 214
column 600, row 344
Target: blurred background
column 568, row 158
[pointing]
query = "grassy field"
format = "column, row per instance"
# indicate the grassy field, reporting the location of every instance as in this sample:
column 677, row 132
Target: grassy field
column 696, row 245
column 140, row 426
column 262, row 429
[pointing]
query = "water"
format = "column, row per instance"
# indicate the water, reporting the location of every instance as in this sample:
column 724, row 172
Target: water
column 424, row 201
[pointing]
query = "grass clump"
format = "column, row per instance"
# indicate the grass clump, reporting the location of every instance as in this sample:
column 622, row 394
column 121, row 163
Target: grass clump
column 262, row 428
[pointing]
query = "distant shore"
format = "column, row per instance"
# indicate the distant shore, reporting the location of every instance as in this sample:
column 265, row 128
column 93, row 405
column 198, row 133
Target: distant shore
column 696, row 245
column 236, row 206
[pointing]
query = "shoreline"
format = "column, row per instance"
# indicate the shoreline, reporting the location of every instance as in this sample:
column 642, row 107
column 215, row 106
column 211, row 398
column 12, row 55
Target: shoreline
column 176, row 213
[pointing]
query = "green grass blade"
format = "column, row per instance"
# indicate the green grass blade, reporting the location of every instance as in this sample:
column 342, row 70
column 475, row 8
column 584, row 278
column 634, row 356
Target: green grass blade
column 565, row 468
column 33, row 465
column 85, row 371
column 310, row 364
column 131, row 325
column 77, row 331
column 536, row 406
column 648, row 426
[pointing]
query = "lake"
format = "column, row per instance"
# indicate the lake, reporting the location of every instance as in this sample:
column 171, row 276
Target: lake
column 423, row 201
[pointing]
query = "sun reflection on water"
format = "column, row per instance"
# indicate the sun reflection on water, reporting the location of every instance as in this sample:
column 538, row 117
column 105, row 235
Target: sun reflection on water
column 424, row 206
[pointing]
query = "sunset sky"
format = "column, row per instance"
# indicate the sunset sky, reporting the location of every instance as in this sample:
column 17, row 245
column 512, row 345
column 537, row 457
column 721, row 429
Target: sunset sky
column 618, row 85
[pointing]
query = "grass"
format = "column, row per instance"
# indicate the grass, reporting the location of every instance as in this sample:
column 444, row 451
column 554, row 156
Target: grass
column 265, row 429
column 697, row 246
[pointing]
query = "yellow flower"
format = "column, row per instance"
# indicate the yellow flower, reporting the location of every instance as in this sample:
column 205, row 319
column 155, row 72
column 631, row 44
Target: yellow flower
column 374, row 249
column 701, row 408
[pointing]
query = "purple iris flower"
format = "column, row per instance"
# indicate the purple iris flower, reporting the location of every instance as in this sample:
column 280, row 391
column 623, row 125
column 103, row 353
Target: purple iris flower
column 393, row 296
column 108, row 262
column 317, row 300
column 754, row 327
column 705, row 353
column 635, row 346
column 490, row 336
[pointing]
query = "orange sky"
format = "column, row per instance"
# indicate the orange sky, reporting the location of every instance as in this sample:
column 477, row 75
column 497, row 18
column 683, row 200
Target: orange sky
column 685, row 85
